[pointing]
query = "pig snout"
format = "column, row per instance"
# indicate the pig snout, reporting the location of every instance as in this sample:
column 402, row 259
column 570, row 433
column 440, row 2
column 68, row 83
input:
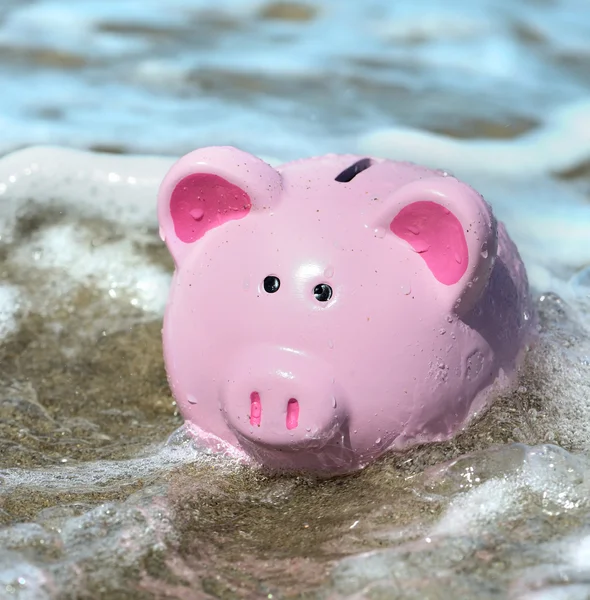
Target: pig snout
column 281, row 399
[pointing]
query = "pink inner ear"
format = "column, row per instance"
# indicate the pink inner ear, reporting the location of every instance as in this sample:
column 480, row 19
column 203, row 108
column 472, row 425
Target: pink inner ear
column 203, row 201
column 437, row 235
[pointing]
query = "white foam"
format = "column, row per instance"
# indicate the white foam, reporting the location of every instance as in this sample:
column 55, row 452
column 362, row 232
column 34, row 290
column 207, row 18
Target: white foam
column 181, row 449
column 488, row 498
column 432, row 26
column 112, row 536
column 478, row 508
column 579, row 553
column 22, row 579
column 118, row 188
column 67, row 251
column 88, row 548
column 564, row 574
column 568, row 591
column 547, row 472
column 580, row 287
column 560, row 144
column 10, row 304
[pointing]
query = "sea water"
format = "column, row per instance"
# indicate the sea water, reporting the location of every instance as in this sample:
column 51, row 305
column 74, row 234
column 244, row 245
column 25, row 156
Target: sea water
column 102, row 492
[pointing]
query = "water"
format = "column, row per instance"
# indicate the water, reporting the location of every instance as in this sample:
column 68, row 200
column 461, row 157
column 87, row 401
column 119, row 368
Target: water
column 102, row 494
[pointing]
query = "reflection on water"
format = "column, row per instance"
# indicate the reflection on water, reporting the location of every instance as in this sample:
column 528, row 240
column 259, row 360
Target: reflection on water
column 102, row 493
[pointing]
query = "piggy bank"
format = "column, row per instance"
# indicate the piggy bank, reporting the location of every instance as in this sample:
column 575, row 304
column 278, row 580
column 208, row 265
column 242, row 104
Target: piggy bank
column 329, row 310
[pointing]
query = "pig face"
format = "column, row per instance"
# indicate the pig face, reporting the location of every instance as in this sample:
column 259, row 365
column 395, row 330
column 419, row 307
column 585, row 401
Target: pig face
column 314, row 318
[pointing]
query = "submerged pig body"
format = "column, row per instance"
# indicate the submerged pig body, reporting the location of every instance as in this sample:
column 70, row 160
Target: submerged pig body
column 334, row 308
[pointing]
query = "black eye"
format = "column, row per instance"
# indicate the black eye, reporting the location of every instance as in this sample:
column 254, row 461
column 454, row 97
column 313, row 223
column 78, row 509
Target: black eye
column 322, row 292
column 272, row 284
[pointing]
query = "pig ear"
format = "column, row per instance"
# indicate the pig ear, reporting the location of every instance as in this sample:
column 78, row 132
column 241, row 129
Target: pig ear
column 208, row 187
column 452, row 230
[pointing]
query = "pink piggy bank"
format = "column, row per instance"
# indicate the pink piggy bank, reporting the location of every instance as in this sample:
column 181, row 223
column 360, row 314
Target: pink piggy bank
column 334, row 308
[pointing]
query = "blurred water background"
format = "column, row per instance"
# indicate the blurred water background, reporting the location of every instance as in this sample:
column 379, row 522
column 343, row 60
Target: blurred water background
column 102, row 494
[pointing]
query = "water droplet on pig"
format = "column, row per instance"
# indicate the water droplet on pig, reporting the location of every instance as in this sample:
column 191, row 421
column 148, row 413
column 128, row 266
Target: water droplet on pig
column 484, row 250
column 333, row 402
column 379, row 232
column 191, row 399
column 449, row 319
column 378, row 441
column 330, row 343
column 162, row 234
column 406, row 289
column 329, row 272
column 458, row 259
column 442, row 331
column 355, row 431
column 197, row 213
column 308, row 429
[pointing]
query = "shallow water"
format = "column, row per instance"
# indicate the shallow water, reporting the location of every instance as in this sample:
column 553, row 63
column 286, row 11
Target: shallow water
column 102, row 494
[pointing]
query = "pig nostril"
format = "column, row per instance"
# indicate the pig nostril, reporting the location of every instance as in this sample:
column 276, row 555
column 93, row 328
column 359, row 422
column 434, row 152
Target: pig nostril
column 255, row 409
column 292, row 414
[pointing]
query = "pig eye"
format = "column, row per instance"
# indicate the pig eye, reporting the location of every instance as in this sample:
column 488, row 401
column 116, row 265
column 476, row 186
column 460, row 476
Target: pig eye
column 272, row 284
column 322, row 292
